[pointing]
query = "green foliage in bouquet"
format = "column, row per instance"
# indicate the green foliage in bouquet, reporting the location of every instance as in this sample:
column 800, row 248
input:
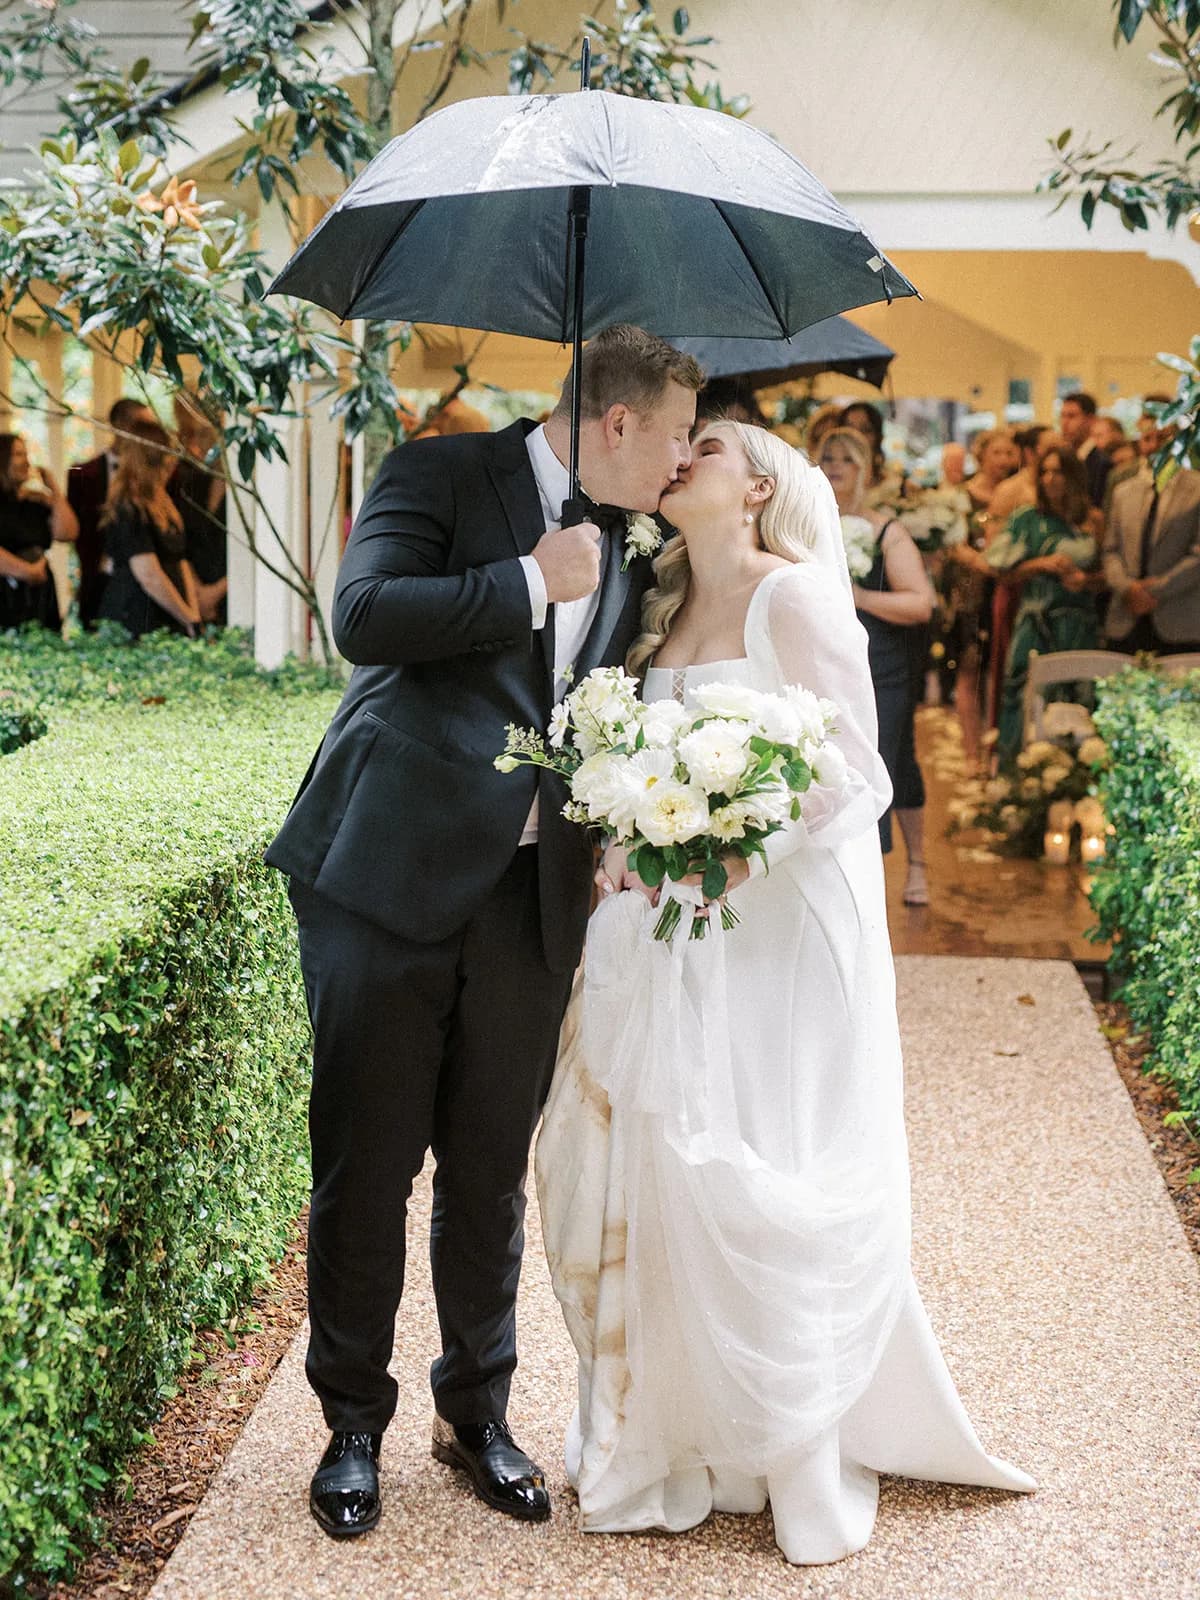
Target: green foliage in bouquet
column 1146, row 895
column 153, row 1040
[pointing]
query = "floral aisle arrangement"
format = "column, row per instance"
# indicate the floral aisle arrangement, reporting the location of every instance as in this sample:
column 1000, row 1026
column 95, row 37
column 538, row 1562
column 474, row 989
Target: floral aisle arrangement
column 936, row 518
column 681, row 788
column 1052, row 786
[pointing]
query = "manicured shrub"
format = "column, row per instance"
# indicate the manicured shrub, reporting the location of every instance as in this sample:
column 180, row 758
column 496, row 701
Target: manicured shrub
column 1147, row 894
column 153, row 1049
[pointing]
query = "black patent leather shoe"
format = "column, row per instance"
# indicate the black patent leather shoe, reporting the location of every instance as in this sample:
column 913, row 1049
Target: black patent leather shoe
column 501, row 1472
column 344, row 1496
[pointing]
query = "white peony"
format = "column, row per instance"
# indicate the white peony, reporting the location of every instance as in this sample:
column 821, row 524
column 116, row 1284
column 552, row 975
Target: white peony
column 729, row 700
column 672, row 812
column 602, row 784
column 830, row 768
column 729, row 822
column 780, row 721
column 815, row 716
column 1093, row 752
column 858, row 541
column 716, row 755
column 661, row 720
column 997, row 789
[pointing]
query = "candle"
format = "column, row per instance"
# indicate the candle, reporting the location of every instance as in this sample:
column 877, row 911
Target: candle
column 1059, row 816
column 1057, row 846
column 1091, row 847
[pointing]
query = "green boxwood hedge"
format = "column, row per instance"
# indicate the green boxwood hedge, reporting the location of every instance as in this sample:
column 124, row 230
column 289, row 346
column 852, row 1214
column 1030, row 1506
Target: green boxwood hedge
column 153, row 1047
column 1147, row 894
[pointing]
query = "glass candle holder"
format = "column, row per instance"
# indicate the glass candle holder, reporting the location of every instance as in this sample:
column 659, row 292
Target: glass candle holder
column 1057, row 847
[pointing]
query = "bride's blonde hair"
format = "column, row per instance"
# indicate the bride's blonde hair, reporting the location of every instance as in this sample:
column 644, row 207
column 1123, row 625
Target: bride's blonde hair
column 785, row 528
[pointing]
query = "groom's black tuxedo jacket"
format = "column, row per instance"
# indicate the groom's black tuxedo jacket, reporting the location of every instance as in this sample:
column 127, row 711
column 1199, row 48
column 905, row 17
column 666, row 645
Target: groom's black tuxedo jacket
column 402, row 817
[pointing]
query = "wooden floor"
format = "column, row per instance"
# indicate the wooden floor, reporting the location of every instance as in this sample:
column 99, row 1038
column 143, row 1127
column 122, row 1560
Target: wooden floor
column 982, row 904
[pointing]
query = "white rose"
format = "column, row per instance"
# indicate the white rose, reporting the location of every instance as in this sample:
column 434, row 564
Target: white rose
column 997, row 789
column 830, row 768
column 1089, row 813
column 716, row 755
column 1064, row 719
column 779, row 721
column 1093, row 752
column 1029, row 789
column 1054, row 776
column 729, row 700
column 661, row 720
column 1041, row 750
column 814, row 715
column 672, row 813
column 601, row 783
column 729, row 822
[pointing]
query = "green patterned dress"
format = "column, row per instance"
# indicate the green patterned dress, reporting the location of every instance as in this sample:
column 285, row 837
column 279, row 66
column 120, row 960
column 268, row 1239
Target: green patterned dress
column 1049, row 615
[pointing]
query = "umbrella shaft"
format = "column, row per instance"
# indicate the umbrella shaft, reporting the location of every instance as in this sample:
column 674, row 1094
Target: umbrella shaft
column 581, row 202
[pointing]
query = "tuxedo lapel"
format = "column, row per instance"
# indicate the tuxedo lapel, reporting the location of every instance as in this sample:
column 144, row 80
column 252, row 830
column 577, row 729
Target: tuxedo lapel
column 614, row 586
column 516, row 488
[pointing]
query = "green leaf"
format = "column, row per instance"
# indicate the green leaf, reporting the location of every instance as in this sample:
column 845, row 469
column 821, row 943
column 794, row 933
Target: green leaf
column 129, row 155
column 715, row 880
column 1063, row 139
column 680, row 20
column 139, row 69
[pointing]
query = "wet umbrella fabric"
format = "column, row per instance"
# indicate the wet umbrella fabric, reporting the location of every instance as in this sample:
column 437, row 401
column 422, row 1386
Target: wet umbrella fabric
column 699, row 224
column 835, row 345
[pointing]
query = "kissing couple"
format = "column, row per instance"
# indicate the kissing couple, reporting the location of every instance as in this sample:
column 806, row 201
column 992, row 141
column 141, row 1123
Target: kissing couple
column 722, row 1163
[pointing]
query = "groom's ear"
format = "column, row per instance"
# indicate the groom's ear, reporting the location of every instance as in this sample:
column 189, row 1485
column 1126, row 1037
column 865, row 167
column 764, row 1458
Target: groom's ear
column 618, row 421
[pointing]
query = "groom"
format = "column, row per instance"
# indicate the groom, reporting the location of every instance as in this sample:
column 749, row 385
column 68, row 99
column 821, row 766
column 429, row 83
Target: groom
column 441, row 904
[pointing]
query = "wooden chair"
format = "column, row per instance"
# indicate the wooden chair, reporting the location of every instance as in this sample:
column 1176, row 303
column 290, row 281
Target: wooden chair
column 1179, row 664
column 1064, row 666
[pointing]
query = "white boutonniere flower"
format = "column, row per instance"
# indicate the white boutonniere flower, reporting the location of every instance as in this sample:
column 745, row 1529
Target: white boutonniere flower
column 643, row 538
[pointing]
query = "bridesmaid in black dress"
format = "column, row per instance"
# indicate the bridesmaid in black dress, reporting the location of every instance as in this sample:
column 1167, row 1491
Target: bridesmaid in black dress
column 894, row 601
column 152, row 584
column 32, row 515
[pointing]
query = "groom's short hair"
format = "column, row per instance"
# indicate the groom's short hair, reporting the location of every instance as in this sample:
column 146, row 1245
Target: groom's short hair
column 625, row 365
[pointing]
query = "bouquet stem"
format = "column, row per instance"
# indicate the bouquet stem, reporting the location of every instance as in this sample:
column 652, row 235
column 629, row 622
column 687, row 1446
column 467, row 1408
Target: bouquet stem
column 669, row 920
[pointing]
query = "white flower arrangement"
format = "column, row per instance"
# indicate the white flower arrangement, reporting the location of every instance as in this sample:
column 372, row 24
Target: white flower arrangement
column 858, row 538
column 936, row 518
column 643, row 537
column 1050, row 786
column 681, row 788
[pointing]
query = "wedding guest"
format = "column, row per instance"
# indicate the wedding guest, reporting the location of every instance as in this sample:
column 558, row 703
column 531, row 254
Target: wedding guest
column 1046, row 549
column 32, row 515
column 198, row 489
column 456, row 416
column 1076, row 423
column 1152, row 562
column 1108, row 433
column 967, row 586
column 822, row 421
column 87, row 490
column 894, row 601
column 1010, row 496
column 151, row 585
column 954, row 464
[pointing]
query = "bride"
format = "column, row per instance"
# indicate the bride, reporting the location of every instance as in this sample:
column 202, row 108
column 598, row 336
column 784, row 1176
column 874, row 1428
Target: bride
column 722, row 1166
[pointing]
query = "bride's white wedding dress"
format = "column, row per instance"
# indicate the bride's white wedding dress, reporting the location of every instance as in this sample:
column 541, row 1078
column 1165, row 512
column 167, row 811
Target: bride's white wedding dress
column 723, row 1171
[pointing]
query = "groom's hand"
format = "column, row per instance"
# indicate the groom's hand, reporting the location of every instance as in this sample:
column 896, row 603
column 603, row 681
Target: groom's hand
column 570, row 561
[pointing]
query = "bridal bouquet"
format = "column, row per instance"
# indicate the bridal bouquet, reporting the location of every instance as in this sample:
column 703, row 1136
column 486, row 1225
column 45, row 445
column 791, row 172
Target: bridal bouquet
column 679, row 787
column 936, row 518
column 858, row 540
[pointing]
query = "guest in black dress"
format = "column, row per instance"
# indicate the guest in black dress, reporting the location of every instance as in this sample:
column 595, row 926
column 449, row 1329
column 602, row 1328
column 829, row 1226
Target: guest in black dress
column 151, row 584
column 198, row 489
column 32, row 515
column 894, row 601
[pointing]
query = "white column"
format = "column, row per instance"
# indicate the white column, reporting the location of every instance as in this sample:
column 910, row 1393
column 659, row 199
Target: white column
column 280, row 616
column 326, row 502
column 1045, row 388
column 242, row 566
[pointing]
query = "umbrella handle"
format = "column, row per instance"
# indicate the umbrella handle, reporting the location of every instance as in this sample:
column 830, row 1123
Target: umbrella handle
column 573, row 513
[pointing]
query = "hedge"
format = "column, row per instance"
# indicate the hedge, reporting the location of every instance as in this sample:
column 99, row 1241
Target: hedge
column 1147, row 894
column 154, row 1048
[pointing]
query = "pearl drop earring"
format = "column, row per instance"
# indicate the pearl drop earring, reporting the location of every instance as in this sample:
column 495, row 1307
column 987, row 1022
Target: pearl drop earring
column 749, row 517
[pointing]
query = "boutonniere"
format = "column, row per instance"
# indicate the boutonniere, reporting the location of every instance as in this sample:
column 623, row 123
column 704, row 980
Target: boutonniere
column 643, row 537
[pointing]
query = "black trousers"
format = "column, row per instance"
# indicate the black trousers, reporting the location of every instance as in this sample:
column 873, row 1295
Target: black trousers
column 450, row 1047
column 1145, row 636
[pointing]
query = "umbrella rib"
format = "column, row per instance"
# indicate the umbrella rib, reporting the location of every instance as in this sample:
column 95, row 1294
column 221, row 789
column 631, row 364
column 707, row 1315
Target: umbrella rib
column 387, row 245
column 758, row 277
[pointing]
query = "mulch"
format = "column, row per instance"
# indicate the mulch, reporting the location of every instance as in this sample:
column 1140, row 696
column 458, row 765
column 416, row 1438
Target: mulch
column 148, row 1513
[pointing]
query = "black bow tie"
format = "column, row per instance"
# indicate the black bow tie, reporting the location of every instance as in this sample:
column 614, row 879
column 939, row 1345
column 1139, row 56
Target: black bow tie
column 609, row 519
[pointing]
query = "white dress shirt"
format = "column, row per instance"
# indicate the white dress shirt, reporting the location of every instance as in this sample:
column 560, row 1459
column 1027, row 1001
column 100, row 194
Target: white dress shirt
column 572, row 618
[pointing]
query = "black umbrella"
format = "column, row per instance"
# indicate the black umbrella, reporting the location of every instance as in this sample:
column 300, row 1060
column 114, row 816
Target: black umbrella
column 689, row 221
column 835, row 345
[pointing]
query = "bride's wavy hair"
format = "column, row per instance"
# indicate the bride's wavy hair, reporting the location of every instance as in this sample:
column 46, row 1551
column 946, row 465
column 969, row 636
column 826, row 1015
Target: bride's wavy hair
column 786, row 527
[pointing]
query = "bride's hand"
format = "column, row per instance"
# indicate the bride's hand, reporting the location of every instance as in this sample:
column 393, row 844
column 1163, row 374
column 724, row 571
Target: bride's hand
column 614, row 875
column 737, row 870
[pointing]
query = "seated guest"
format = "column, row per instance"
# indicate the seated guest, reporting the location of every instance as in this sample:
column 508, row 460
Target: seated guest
column 87, row 490
column 32, row 515
column 1152, row 558
column 198, row 489
column 151, row 585
column 1045, row 549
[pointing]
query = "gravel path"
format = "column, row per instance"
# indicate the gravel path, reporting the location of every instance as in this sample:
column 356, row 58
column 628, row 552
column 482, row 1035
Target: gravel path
column 1055, row 1272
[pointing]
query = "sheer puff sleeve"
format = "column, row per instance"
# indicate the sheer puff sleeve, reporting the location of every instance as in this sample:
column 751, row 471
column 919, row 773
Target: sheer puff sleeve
column 803, row 630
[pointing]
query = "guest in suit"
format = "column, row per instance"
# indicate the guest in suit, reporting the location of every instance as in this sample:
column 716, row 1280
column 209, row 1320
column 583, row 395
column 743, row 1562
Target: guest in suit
column 1152, row 563
column 1077, row 422
column 87, row 490
column 442, row 904
column 32, row 515
column 151, row 585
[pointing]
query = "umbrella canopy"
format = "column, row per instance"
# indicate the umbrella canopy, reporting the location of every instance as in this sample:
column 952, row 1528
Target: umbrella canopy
column 699, row 224
column 834, row 345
